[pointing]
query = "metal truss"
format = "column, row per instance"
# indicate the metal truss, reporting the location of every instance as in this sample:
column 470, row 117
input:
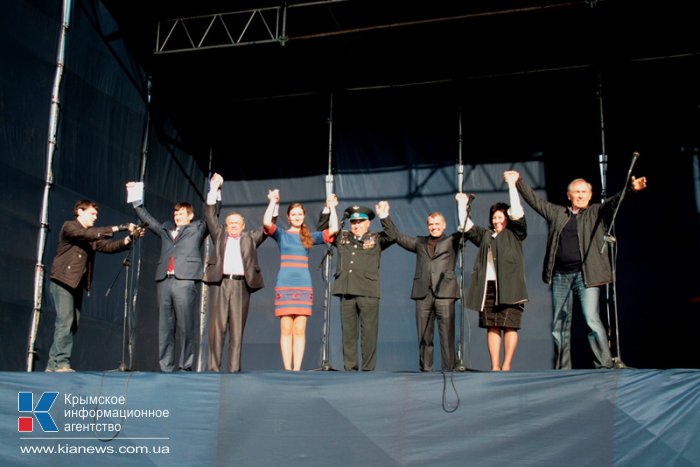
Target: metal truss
column 258, row 26
column 231, row 29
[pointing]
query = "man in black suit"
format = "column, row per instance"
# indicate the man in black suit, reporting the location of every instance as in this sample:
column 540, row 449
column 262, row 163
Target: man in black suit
column 232, row 274
column 435, row 287
column 178, row 273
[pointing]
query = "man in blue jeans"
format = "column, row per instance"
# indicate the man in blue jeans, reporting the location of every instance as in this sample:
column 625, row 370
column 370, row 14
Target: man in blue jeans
column 576, row 263
column 71, row 272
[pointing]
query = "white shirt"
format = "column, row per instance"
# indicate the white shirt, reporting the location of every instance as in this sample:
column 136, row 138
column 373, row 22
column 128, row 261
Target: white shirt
column 233, row 260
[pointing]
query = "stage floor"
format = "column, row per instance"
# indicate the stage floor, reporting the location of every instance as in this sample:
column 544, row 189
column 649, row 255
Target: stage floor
column 625, row 417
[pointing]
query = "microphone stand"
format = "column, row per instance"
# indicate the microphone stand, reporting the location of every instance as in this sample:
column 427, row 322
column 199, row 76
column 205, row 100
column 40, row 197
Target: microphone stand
column 126, row 340
column 460, row 365
column 328, row 257
column 612, row 242
column 326, row 263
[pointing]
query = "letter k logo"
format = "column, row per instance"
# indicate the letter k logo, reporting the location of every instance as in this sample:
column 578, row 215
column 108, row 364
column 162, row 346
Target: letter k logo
column 25, row 404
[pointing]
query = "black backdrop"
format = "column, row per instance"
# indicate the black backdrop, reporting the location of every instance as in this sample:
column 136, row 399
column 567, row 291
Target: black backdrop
column 395, row 144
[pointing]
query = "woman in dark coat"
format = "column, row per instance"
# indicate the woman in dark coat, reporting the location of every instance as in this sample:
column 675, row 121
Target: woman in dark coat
column 497, row 289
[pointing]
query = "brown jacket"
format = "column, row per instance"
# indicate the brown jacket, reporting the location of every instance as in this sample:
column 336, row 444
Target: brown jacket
column 75, row 253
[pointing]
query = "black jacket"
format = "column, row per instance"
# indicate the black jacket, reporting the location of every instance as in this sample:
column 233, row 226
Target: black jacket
column 507, row 251
column 591, row 231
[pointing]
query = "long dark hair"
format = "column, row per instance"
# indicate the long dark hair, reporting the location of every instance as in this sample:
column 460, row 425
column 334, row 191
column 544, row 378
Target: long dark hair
column 306, row 238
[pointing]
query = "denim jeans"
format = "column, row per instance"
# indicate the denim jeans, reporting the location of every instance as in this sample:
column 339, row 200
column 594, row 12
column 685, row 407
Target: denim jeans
column 564, row 288
column 67, row 302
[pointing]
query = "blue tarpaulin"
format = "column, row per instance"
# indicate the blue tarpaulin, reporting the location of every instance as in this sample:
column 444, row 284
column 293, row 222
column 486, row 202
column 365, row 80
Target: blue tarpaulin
column 550, row 418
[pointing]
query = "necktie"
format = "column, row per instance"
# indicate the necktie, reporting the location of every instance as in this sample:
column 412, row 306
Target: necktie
column 171, row 264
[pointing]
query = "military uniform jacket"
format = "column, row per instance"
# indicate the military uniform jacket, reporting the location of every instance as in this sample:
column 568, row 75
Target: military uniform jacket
column 357, row 270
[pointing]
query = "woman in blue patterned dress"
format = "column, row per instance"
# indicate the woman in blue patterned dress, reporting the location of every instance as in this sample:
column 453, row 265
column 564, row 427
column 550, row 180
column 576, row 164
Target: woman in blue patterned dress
column 293, row 291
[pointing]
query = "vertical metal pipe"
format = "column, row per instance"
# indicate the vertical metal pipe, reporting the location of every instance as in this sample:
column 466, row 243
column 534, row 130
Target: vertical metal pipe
column 48, row 183
column 460, row 364
column 328, row 300
column 136, row 275
column 204, row 297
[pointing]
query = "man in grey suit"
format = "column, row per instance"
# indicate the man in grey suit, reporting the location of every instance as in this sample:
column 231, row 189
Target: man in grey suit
column 435, row 288
column 178, row 273
column 232, row 274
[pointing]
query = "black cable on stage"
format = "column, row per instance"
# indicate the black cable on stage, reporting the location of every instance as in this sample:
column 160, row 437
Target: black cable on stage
column 445, row 405
column 126, row 398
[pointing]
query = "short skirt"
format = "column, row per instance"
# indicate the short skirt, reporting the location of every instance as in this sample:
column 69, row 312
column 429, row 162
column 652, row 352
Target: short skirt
column 293, row 301
column 502, row 316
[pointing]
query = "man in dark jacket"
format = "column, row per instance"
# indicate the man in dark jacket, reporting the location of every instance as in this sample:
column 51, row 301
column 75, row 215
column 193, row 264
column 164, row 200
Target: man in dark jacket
column 577, row 263
column 232, row 273
column 71, row 272
column 435, row 288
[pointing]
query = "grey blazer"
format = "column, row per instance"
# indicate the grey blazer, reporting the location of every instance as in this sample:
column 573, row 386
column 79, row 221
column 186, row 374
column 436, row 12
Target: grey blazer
column 186, row 248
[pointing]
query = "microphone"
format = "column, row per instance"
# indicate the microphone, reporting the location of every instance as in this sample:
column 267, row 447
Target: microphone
column 139, row 228
column 635, row 156
column 138, row 231
column 603, row 161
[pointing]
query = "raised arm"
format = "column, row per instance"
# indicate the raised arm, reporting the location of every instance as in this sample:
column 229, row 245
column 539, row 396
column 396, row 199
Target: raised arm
column 215, row 184
column 462, row 202
column 539, row 205
column 143, row 214
column 387, row 236
column 331, row 204
column 274, row 197
column 516, row 210
column 213, row 198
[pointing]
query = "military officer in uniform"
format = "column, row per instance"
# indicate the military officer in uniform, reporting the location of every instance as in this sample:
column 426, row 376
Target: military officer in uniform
column 357, row 283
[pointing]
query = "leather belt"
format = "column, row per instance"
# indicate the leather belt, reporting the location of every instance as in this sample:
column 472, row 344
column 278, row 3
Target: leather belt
column 235, row 277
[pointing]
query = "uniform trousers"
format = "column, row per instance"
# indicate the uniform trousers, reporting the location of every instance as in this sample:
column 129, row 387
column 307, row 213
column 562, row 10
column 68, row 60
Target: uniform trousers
column 365, row 310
